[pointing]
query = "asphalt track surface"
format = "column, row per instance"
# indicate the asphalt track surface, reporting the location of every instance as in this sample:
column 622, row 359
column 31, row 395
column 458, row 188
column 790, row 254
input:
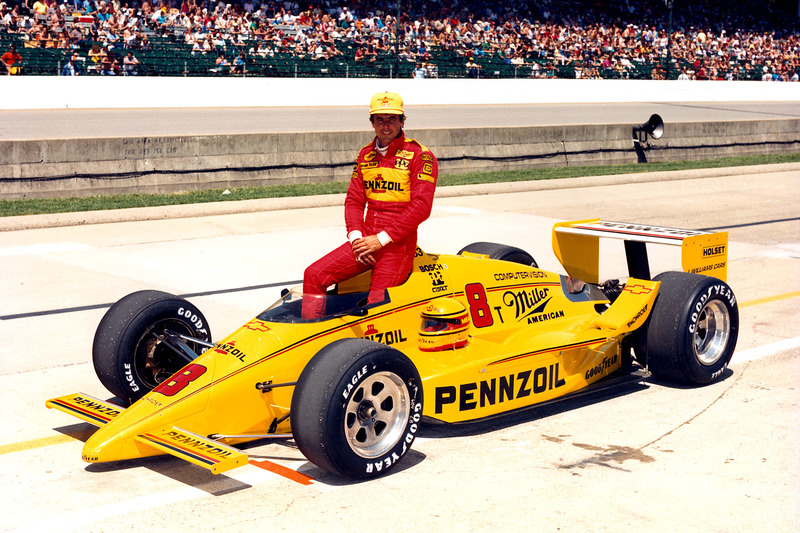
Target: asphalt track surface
column 87, row 123
column 642, row 455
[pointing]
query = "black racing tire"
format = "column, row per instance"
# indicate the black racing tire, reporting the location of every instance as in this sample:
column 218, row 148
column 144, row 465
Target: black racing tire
column 501, row 252
column 692, row 330
column 356, row 408
column 127, row 357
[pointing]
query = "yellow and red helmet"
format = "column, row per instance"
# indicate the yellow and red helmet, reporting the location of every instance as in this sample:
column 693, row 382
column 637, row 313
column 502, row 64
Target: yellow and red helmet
column 445, row 326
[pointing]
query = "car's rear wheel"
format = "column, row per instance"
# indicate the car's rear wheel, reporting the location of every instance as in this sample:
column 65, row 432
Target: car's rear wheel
column 692, row 330
column 356, row 408
column 501, row 252
column 128, row 356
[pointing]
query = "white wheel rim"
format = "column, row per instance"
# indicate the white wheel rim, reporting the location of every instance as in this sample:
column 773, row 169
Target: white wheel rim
column 376, row 414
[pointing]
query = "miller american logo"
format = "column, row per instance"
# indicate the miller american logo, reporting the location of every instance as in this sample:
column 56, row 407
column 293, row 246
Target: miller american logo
column 531, row 304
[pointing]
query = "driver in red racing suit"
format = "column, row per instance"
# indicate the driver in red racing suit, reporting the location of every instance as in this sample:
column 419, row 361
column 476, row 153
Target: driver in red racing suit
column 394, row 180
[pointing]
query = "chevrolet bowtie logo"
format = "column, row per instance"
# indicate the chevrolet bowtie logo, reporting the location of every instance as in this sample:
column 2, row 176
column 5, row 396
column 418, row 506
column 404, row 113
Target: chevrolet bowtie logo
column 637, row 289
column 256, row 325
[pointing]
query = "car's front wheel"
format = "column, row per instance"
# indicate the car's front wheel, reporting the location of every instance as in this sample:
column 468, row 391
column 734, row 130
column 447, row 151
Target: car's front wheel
column 356, row 408
column 129, row 357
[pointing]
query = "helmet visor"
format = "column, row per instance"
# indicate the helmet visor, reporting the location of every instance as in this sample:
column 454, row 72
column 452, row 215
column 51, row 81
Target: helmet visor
column 433, row 325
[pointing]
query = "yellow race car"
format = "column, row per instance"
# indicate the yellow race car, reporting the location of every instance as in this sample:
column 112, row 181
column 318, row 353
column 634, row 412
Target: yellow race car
column 475, row 335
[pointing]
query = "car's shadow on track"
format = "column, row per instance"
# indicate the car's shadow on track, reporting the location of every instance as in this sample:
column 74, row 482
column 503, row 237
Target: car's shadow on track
column 80, row 431
column 180, row 471
column 726, row 374
column 410, row 460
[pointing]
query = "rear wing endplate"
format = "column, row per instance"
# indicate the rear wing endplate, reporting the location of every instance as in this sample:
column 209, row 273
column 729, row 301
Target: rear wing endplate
column 576, row 245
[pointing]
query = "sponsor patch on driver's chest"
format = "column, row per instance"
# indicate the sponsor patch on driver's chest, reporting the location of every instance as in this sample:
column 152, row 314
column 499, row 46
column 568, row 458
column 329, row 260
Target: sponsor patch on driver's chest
column 387, row 184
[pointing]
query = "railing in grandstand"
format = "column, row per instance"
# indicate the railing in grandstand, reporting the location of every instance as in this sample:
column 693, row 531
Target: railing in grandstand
column 168, row 56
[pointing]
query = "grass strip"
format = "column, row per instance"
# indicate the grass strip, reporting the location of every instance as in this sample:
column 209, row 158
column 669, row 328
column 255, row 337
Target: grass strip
column 33, row 206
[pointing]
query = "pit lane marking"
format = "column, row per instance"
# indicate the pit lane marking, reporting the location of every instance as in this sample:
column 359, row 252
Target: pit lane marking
column 288, row 473
column 247, row 476
column 763, row 351
column 35, row 443
column 91, row 307
column 770, row 299
column 269, row 466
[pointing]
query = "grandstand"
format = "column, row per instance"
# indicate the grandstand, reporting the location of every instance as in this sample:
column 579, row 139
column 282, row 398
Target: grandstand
column 541, row 39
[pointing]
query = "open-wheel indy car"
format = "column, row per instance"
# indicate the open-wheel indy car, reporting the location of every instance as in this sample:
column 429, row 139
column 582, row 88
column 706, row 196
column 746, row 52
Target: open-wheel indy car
column 465, row 337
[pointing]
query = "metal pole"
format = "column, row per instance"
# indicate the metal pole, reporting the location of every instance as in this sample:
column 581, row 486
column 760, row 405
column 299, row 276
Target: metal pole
column 669, row 37
column 397, row 41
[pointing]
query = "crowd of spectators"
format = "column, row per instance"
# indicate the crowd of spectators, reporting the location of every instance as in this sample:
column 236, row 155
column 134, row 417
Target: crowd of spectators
column 708, row 39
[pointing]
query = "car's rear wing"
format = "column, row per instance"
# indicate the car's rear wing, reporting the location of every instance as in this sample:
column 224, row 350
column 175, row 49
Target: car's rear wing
column 576, row 245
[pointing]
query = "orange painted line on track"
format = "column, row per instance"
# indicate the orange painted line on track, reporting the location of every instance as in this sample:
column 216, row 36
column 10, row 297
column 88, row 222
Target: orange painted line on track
column 288, row 473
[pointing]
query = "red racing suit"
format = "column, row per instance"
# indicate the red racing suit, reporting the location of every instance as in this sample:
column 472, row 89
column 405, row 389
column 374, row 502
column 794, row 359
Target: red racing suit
column 391, row 193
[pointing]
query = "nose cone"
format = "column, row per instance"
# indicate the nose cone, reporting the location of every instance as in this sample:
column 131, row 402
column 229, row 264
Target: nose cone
column 117, row 440
column 101, row 448
column 109, row 444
